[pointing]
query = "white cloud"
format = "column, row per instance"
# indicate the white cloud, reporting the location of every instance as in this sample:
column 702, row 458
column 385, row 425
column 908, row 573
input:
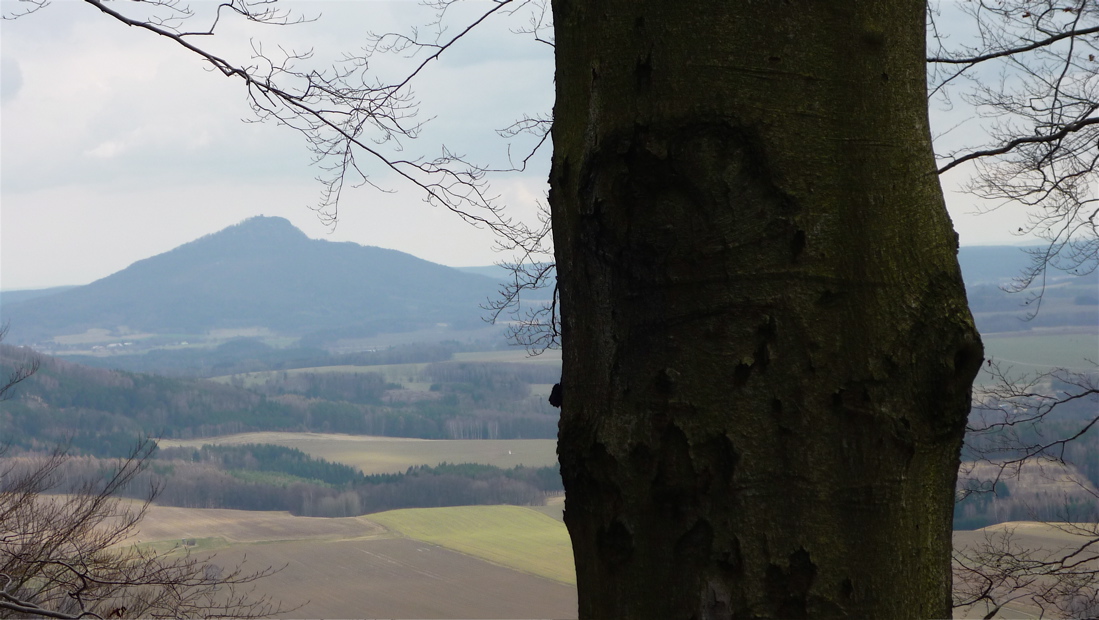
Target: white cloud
column 107, row 150
column 118, row 145
column 11, row 79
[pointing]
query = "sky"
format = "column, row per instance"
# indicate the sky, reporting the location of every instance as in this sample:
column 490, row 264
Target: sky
column 116, row 145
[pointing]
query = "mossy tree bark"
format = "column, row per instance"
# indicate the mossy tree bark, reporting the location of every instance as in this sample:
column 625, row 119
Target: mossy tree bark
column 767, row 349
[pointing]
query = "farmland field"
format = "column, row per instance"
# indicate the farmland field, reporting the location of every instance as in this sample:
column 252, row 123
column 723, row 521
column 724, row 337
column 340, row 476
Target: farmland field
column 356, row 567
column 383, row 455
column 514, row 536
column 249, row 526
column 514, row 356
column 359, row 567
column 1041, row 537
column 405, row 374
column 400, row 578
column 1039, row 350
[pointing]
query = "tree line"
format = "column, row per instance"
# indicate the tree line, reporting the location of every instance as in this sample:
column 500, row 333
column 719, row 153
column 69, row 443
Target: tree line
column 267, row 458
column 101, row 412
column 242, row 355
column 268, row 477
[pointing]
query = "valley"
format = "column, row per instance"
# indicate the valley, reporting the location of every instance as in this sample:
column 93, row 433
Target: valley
column 389, row 455
column 392, row 451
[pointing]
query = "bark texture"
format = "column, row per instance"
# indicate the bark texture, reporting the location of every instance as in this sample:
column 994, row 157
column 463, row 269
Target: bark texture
column 767, row 348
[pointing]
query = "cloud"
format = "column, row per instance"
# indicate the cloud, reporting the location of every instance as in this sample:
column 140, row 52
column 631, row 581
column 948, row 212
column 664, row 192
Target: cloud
column 118, row 144
column 11, row 79
column 107, row 150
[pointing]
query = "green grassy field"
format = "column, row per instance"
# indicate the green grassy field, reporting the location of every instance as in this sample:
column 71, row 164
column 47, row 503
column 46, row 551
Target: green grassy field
column 468, row 562
column 387, row 455
column 1040, row 350
column 512, row 536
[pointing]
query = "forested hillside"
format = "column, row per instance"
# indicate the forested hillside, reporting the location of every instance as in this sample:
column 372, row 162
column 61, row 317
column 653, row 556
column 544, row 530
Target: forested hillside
column 1058, row 299
column 101, row 404
column 261, row 273
column 243, row 355
column 267, row 477
column 100, row 411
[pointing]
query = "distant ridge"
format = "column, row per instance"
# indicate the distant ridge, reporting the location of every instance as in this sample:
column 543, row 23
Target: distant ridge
column 262, row 272
column 11, row 297
column 993, row 264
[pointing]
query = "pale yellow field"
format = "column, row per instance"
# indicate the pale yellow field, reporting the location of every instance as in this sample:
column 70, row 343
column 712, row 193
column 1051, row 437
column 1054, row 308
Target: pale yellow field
column 1031, row 535
column 512, row 536
column 386, row 455
column 1042, row 538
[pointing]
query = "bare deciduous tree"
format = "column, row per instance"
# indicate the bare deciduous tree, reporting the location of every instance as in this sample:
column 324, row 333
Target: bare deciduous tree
column 635, row 161
column 67, row 551
column 1032, row 73
column 1007, row 437
column 21, row 372
column 1061, row 582
column 67, row 548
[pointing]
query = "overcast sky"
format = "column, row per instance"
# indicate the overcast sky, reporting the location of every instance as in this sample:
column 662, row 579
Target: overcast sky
column 117, row 145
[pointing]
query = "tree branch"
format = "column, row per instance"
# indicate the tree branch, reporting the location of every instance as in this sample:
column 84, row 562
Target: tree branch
column 1064, row 131
column 972, row 60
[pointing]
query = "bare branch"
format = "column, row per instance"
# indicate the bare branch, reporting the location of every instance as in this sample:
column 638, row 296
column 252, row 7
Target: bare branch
column 1064, row 131
column 69, row 556
column 972, row 60
column 1041, row 114
column 23, row 370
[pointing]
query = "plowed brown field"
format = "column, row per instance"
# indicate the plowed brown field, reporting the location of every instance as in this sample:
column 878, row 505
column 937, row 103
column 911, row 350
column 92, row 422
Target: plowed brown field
column 399, row 578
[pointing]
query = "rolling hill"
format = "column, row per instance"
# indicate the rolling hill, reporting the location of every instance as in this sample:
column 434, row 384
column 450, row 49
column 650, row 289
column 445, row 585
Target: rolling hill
column 261, row 273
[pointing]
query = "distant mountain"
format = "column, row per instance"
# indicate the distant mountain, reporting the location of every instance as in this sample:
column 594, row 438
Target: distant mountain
column 11, row 297
column 1067, row 300
column 496, row 272
column 262, row 272
column 265, row 273
column 992, row 264
column 1001, row 264
column 503, row 274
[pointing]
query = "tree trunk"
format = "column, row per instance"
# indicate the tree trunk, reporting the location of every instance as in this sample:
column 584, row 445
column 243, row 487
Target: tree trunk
column 767, row 349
